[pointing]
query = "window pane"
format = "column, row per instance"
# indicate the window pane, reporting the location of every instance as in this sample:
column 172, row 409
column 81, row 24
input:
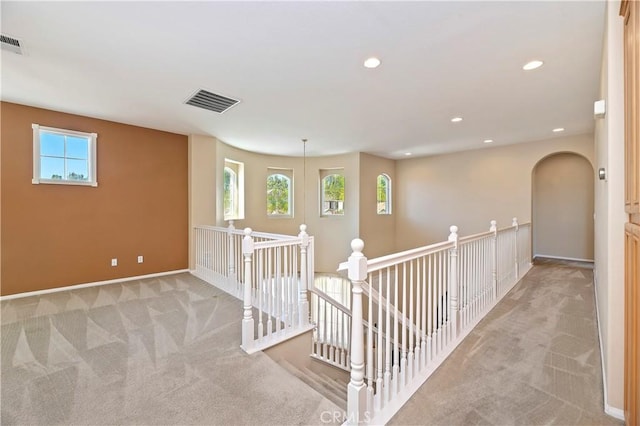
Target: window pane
column 77, row 147
column 229, row 192
column 77, row 170
column 51, row 168
column 51, row 144
column 333, row 194
column 278, row 194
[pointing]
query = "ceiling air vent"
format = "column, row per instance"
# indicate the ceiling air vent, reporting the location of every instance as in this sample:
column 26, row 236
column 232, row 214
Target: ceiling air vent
column 11, row 44
column 211, row 101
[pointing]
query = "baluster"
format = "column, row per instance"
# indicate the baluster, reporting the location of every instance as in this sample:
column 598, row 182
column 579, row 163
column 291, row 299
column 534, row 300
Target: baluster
column 303, row 303
column 247, row 319
column 396, row 334
column 379, row 348
column 230, row 254
column 515, row 247
column 439, row 326
column 423, row 336
column 260, row 293
column 357, row 411
column 387, row 348
column 410, row 330
column 370, row 345
column 403, row 334
column 268, row 283
column 418, row 285
column 453, row 279
column 430, row 317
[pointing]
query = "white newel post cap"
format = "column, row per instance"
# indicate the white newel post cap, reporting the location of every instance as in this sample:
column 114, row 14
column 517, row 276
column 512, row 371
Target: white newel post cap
column 357, row 261
column 454, row 233
column 231, row 221
column 515, row 222
column 247, row 241
column 303, row 234
column 494, row 226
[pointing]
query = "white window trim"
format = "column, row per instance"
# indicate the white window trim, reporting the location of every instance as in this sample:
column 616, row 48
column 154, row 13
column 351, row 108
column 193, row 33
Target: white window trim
column 92, row 154
column 238, row 169
column 389, row 195
column 288, row 173
column 324, row 173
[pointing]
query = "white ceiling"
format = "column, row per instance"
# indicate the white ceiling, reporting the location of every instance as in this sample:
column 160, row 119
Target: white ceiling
column 297, row 69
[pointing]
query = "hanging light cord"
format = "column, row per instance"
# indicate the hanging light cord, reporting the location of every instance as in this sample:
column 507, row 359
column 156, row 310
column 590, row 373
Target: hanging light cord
column 304, row 181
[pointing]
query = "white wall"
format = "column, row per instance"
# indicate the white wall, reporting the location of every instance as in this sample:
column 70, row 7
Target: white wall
column 610, row 217
column 470, row 188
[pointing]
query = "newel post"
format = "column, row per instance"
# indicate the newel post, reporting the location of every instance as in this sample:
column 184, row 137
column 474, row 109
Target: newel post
column 357, row 391
column 453, row 279
column 232, row 251
column 303, row 301
column 247, row 319
column 515, row 247
column 494, row 257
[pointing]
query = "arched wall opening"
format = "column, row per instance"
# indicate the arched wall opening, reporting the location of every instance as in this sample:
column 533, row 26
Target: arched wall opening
column 562, row 204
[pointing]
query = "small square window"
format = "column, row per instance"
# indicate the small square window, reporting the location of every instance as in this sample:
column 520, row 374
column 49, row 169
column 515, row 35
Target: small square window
column 64, row 156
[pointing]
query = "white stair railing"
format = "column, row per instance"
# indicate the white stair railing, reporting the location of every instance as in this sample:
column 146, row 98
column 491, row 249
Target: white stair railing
column 268, row 272
column 422, row 303
column 276, row 276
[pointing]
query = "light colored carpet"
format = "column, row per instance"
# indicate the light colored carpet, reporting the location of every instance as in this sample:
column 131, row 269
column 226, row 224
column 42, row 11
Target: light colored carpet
column 534, row 360
column 156, row 351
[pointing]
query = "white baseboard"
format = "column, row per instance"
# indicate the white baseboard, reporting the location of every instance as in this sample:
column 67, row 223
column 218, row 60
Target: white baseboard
column 93, row 284
column 614, row 412
column 575, row 259
column 608, row 409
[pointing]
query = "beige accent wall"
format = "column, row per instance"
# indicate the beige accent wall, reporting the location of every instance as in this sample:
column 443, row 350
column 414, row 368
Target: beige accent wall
column 202, row 184
column 61, row 235
column 609, row 212
column 563, row 207
column 470, row 188
column 376, row 230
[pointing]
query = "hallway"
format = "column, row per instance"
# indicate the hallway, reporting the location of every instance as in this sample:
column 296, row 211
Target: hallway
column 534, row 360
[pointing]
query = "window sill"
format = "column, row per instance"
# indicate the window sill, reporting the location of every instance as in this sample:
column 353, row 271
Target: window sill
column 62, row 182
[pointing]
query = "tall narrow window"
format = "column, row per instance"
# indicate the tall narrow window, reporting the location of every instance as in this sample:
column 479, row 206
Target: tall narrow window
column 332, row 193
column 64, row 156
column 279, row 193
column 383, row 198
column 233, row 191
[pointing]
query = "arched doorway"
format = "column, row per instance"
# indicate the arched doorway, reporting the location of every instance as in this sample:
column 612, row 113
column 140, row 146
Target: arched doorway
column 563, row 207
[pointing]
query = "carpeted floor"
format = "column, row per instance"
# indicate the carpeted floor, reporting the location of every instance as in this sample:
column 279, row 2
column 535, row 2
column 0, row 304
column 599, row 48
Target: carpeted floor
column 534, row 360
column 166, row 351
column 156, row 351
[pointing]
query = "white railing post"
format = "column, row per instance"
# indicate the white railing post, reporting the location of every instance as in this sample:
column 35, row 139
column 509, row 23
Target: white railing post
column 453, row 279
column 232, row 252
column 357, row 410
column 494, row 256
column 303, row 301
column 515, row 247
column 247, row 320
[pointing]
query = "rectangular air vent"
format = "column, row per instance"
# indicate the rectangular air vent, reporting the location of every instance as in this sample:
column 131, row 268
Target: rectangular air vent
column 211, row 101
column 11, row 44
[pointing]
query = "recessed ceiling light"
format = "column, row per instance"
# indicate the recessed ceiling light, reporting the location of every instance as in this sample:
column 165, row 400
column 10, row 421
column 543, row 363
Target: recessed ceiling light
column 456, row 119
column 372, row 62
column 532, row 65
column 558, row 129
column 488, row 140
column 407, row 154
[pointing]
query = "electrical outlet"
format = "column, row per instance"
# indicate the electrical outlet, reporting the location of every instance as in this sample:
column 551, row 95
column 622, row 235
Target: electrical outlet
column 114, row 262
column 140, row 259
